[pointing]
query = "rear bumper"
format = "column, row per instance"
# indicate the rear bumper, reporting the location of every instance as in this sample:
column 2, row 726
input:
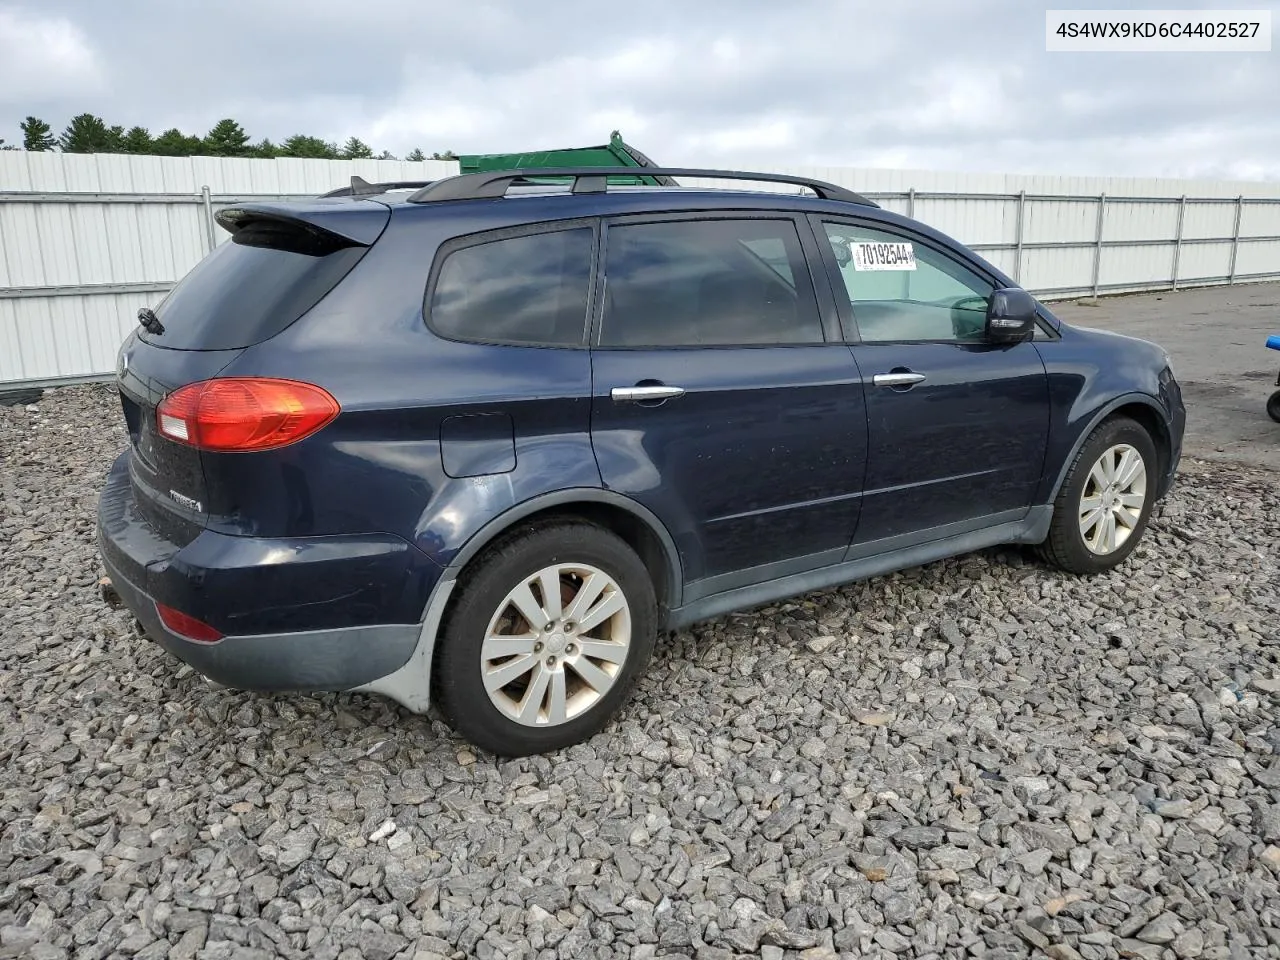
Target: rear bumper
column 292, row 611
column 306, row 661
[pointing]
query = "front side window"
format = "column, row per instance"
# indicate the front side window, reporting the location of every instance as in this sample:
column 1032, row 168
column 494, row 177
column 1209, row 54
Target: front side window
column 903, row 290
column 529, row 289
column 692, row 283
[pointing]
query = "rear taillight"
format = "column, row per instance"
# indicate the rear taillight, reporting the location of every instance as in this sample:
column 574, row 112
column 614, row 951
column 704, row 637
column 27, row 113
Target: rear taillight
column 240, row 415
column 187, row 626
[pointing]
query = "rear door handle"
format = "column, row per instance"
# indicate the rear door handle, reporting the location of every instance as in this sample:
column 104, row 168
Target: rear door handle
column 897, row 379
column 645, row 394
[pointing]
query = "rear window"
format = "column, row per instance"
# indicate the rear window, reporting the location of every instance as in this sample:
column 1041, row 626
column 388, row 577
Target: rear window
column 251, row 287
column 700, row 283
column 529, row 289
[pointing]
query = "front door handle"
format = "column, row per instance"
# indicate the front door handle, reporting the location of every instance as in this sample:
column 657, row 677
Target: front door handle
column 646, row 394
column 897, row 379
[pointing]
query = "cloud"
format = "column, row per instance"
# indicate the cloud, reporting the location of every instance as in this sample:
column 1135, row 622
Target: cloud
column 43, row 58
column 822, row 82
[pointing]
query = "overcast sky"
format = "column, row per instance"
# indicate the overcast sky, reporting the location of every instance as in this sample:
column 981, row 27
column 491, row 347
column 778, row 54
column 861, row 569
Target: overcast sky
column 940, row 85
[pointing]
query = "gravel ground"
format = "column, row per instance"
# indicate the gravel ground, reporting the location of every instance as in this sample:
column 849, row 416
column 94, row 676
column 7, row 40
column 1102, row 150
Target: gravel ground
column 979, row 758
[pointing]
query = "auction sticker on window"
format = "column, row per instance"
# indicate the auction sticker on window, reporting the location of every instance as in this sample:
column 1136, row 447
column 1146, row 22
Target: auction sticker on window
column 883, row 256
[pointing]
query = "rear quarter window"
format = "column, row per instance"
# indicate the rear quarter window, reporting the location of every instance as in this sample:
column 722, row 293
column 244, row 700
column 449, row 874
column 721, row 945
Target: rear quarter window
column 251, row 288
column 527, row 289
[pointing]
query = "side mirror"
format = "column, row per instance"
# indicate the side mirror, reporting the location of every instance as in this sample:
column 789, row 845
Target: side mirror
column 1011, row 316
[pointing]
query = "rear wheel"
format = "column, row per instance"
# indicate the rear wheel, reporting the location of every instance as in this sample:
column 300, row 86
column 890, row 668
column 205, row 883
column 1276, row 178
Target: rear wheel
column 1273, row 406
column 546, row 638
column 1102, row 509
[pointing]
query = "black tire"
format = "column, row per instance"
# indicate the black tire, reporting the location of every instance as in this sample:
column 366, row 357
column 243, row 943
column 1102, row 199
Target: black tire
column 1273, row 406
column 1065, row 545
column 459, row 684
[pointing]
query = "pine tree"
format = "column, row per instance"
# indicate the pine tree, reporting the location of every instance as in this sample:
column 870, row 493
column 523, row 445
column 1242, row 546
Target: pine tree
column 88, row 134
column 138, row 140
column 356, row 149
column 447, row 155
column 265, row 149
column 387, row 155
column 300, row 145
column 227, row 139
column 37, row 136
column 415, row 155
column 174, row 143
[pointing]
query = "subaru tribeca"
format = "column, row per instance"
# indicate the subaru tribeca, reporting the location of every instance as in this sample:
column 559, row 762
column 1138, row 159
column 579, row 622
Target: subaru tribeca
column 476, row 442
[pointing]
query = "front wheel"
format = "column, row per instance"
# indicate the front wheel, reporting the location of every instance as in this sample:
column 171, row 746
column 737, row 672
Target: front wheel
column 1102, row 509
column 1273, row 406
column 546, row 639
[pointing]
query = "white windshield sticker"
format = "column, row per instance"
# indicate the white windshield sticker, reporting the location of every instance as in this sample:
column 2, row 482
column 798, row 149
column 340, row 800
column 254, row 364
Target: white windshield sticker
column 883, row 256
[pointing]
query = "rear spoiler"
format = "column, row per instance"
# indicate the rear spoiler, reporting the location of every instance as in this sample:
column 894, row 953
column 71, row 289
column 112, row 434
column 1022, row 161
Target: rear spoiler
column 360, row 187
column 350, row 224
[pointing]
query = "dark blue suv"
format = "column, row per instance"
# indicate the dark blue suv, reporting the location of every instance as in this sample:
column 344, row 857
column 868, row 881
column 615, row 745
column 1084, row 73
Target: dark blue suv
column 476, row 442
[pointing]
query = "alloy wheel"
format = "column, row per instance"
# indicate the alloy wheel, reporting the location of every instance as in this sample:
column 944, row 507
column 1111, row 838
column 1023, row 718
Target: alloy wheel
column 556, row 644
column 1112, row 500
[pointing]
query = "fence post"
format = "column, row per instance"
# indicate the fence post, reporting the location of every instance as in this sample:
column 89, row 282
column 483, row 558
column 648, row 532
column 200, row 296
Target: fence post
column 911, row 203
column 1097, row 243
column 1177, row 240
column 210, row 237
column 1017, row 237
column 1235, row 240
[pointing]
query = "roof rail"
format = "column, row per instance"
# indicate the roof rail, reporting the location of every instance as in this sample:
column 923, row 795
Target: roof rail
column 494, row 184
column 361, row 187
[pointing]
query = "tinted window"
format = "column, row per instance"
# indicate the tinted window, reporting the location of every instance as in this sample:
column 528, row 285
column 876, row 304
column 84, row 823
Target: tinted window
column 527, row 289
column 902, row 290
column 706, row 283
column 251, row 287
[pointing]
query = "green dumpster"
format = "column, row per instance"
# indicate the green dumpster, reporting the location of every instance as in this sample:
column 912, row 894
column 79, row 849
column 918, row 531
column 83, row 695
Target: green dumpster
column 615, row 153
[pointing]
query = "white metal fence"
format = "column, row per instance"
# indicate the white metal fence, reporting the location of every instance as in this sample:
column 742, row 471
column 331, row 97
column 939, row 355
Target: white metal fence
column 86, row 240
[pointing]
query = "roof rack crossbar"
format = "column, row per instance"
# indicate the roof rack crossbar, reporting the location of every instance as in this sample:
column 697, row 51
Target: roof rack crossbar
column 361, row 187
column 494, row 184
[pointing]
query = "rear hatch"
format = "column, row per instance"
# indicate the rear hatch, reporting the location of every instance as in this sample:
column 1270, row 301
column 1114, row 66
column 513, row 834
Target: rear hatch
column 279, row 262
